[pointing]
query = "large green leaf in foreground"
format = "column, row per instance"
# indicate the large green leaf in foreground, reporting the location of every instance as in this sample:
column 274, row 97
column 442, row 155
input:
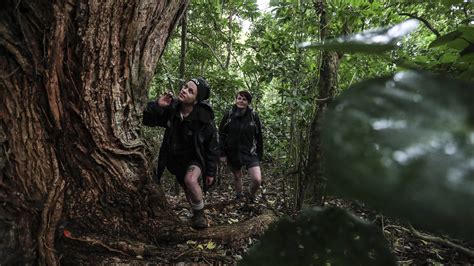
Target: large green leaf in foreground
column 328, row 236
column 405, row 145
column 370, row 41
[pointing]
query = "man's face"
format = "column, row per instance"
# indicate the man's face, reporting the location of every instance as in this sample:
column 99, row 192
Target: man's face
column 241, row 101
column 188, row 93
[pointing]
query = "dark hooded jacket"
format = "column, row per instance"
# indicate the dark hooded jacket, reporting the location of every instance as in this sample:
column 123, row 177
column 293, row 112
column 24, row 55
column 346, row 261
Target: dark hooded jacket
column 180, row 140
column 240, row 135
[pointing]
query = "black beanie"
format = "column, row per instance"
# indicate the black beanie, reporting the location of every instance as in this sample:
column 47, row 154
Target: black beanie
column 203, row 89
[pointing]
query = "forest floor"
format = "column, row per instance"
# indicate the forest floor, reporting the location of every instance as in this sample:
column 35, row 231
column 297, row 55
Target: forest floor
column 223, row 209
column 277, row 196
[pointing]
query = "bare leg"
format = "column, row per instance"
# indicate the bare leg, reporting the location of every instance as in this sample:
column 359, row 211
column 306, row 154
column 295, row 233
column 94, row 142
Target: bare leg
column 194, row 196
column 256, row 179
column 238, row 181
column 193, row 190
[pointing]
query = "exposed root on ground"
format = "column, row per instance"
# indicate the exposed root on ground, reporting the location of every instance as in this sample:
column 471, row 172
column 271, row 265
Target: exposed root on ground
column 224, row 234
column 255, row 226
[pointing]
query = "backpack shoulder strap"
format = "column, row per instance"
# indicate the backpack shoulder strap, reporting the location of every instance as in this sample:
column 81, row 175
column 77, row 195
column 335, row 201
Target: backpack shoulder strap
column 256, row 123
column 229, row 117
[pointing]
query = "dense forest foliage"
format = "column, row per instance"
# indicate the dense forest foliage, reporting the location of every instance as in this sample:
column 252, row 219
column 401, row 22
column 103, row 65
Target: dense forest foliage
column 282, row 54
column 267, row 59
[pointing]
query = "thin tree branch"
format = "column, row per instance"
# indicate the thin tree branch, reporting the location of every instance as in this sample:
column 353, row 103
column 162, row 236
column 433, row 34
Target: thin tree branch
column 427, row 24
column 229, row 41
column 203, row 43
column 240, row 66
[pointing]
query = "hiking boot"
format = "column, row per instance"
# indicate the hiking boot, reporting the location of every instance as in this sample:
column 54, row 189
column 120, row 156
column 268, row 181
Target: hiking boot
column 239, row 196
column 199, row 220
column 251, row 199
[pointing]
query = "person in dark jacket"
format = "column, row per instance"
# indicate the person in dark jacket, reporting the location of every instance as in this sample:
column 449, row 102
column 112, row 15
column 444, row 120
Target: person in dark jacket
column 241, row 143
column 189, row 148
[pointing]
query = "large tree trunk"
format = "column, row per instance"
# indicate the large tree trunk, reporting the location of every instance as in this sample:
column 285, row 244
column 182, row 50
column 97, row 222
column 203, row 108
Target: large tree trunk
column 73, row 81
column 314, row 181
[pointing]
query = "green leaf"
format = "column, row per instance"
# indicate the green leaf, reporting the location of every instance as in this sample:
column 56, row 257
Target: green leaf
column 468, row 50
column 421, row 59
column 469, row 58
column 318, row 236
column 458, row 44
column 467, row 75
column 371, row 41
column 448, row 58
column 467, row 33
column 458, row 39
column 407, row 143
column 211, row 245
column 449, row 3
column 444, row 39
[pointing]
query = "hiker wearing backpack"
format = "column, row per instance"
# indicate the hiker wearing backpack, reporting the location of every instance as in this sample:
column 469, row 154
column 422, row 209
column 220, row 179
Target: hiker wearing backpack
column 241, row 143
column 189, row 149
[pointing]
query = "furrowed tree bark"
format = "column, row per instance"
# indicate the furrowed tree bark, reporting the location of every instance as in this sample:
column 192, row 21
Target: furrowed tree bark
column 73, row 82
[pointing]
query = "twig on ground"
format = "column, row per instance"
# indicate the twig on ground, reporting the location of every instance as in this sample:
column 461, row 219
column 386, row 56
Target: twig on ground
column 94, row 242
column 184, row 253
column 434, row 239
column 277, row 214
column 441, row 241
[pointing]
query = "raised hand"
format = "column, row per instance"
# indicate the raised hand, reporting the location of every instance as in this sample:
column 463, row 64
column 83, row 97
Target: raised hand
column 165, row 99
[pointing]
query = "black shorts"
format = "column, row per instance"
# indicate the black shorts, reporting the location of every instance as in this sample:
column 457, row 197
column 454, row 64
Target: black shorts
column 248, row 161
column 179, row 169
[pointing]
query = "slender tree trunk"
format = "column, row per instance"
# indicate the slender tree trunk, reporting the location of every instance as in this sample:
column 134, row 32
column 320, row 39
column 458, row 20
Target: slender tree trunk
column 327, row 87
column 182, row 61
column 300, row 142
column 229, row 41
column 74, row 78
column 182, row 69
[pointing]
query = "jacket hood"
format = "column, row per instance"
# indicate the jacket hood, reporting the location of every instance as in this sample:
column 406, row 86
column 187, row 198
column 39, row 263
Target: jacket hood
column 204, row 111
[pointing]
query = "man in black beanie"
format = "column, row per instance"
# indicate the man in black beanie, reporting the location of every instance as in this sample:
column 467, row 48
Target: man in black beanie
column 189, row 147
column 203, row 88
